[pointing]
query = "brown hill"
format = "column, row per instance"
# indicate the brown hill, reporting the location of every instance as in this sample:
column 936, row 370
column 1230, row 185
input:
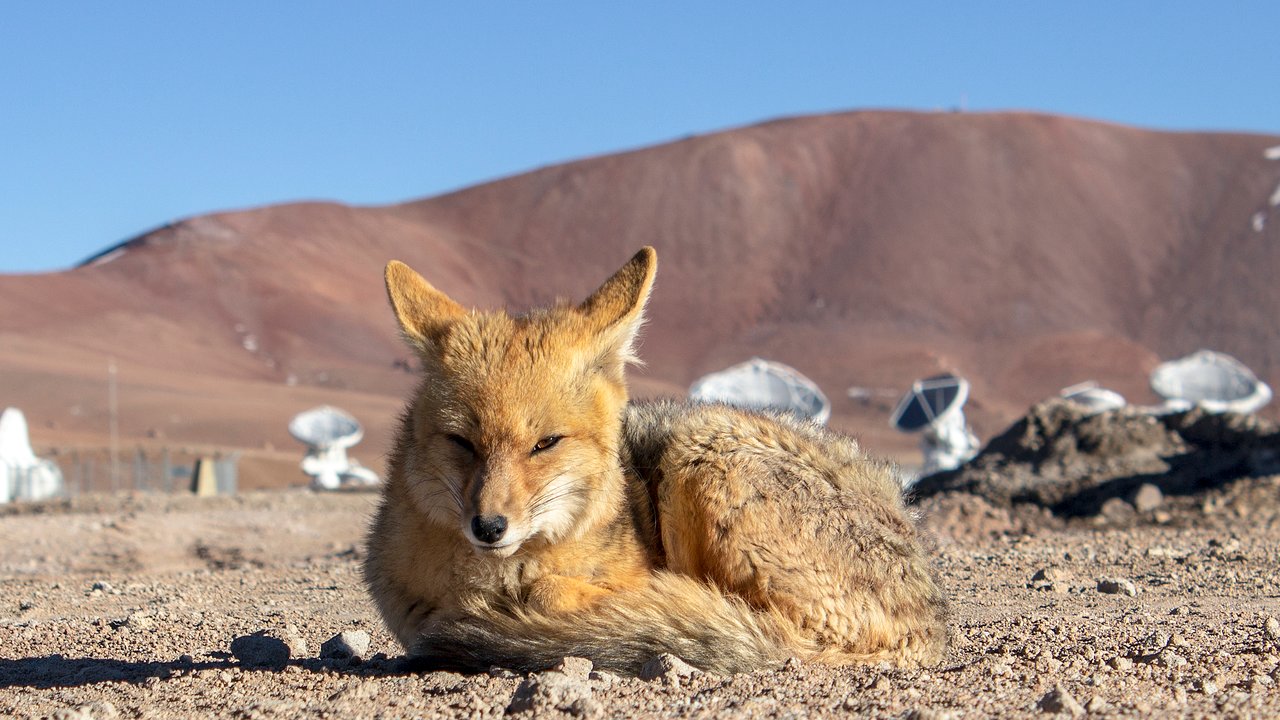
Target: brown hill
column 1027, row 252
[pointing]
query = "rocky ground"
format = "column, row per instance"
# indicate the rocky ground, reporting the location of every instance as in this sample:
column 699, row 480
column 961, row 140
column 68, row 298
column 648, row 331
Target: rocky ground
column 252, row 607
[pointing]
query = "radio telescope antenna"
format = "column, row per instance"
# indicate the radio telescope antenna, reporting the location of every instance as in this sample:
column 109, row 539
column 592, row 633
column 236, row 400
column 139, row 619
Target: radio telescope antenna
column 328, row 432
column 1092, row 397
column 932, row 407
column 764, row 385
column 23, row 476
column 1212, row 380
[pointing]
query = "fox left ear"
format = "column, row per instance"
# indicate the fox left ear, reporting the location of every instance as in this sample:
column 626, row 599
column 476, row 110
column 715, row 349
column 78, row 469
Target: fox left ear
column 616, row 310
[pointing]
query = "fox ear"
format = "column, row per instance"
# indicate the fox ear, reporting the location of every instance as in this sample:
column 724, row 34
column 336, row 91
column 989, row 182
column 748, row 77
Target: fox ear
column 424, row 312
column 616, row 310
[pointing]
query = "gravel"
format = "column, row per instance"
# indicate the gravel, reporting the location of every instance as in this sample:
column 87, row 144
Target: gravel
column 184, row 636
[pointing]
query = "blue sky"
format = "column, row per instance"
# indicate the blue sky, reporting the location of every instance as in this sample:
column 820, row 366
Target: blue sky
column 119, row 117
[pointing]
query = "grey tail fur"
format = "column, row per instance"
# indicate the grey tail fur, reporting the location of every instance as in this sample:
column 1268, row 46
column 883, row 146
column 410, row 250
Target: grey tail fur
column 673, row 614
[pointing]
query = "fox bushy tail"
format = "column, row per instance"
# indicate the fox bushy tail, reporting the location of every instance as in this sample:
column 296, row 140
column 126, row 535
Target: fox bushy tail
column 671, row 614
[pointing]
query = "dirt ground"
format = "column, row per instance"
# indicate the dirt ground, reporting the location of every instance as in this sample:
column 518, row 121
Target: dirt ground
column 127, row 606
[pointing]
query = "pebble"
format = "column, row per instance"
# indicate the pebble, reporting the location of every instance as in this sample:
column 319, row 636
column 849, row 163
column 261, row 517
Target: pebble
column 1116, row 509
column 1045, row 579
column 666, row 666
column 1121, row 663
column 575, row 667
column 552, row 690
column 297, row 644
column 1148, row 498
column 348, row 645
column 93, row 711
column 1059, row 700
column 261, row 650
column 1117, row 586
column 1272, row 628
column 102, row 586
column 604, row 678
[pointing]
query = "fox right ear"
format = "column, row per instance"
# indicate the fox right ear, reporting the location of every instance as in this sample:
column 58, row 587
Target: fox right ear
column 424, row 313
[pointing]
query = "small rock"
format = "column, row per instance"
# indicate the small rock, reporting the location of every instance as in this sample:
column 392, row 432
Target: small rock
column 140, row 621
column 93, row 711
column 1117, row 510
column 1117, row 586
column 553, row 690
column 1272, row 628
column 666, row 666
column 102, row 586
column 927, row 714
column 1168, row 658
column 356, row 691
column 1059, row 700
column 1096, row 705
column 297, row 644
column 1148, row 498
column 1121, row 663
column 261, row 650
column 604, row 678
column 1044, row 579
column 348, row 645
column 575, row 667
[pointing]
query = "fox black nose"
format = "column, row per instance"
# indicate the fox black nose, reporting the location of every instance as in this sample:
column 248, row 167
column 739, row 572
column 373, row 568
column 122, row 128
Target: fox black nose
column 490, row 528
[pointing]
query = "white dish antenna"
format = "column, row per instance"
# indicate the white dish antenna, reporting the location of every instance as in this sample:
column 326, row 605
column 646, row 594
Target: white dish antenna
column 328, row 432
column 1093, row 397
column 23, row 476
column 1215, row 381
column 932, row 407
column 763, row 384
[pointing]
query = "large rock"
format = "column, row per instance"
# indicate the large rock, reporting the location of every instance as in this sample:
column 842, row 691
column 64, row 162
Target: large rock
column 1062, row 458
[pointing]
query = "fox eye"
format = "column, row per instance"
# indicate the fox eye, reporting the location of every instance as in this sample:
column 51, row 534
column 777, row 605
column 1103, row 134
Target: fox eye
column 462, row 442
column 546, row 443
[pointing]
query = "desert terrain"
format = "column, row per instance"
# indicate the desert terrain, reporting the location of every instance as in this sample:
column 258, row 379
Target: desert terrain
column 155, row 606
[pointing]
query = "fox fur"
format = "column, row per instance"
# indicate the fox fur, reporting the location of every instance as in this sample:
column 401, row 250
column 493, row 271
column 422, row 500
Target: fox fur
column 531, row 513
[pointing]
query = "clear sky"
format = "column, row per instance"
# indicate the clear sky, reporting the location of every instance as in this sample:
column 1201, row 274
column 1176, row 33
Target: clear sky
column 116, row 117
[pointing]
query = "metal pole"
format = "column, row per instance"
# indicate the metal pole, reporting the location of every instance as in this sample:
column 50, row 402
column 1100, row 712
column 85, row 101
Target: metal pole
column 113, row 423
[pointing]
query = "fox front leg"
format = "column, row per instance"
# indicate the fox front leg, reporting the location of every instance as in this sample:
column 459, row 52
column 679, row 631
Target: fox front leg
column 563, row 594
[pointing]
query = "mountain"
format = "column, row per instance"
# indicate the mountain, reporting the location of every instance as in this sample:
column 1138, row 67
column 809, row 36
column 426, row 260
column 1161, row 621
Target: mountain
column 1027, row 252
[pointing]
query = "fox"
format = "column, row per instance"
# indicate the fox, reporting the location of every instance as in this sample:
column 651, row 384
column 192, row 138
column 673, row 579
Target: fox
column 531, row 512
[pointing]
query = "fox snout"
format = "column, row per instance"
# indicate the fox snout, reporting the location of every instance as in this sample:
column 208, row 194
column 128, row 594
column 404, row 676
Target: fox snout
column 489, row 528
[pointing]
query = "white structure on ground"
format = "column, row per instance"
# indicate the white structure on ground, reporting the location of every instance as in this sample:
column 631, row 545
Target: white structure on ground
column 328, row 432
column 23, row 476
column 1212, row 380
column 764, row 385
column 1093, row 397
column 932, row 407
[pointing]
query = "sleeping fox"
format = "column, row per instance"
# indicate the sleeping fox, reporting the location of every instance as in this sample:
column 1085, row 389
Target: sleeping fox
column 531, row 513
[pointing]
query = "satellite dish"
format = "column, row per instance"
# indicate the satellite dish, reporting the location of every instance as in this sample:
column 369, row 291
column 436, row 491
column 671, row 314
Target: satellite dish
column 1092, row 397
column 328, row 432
column 763, row 384
column 1215, row 381
column 932, row 407
column 23, row 476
